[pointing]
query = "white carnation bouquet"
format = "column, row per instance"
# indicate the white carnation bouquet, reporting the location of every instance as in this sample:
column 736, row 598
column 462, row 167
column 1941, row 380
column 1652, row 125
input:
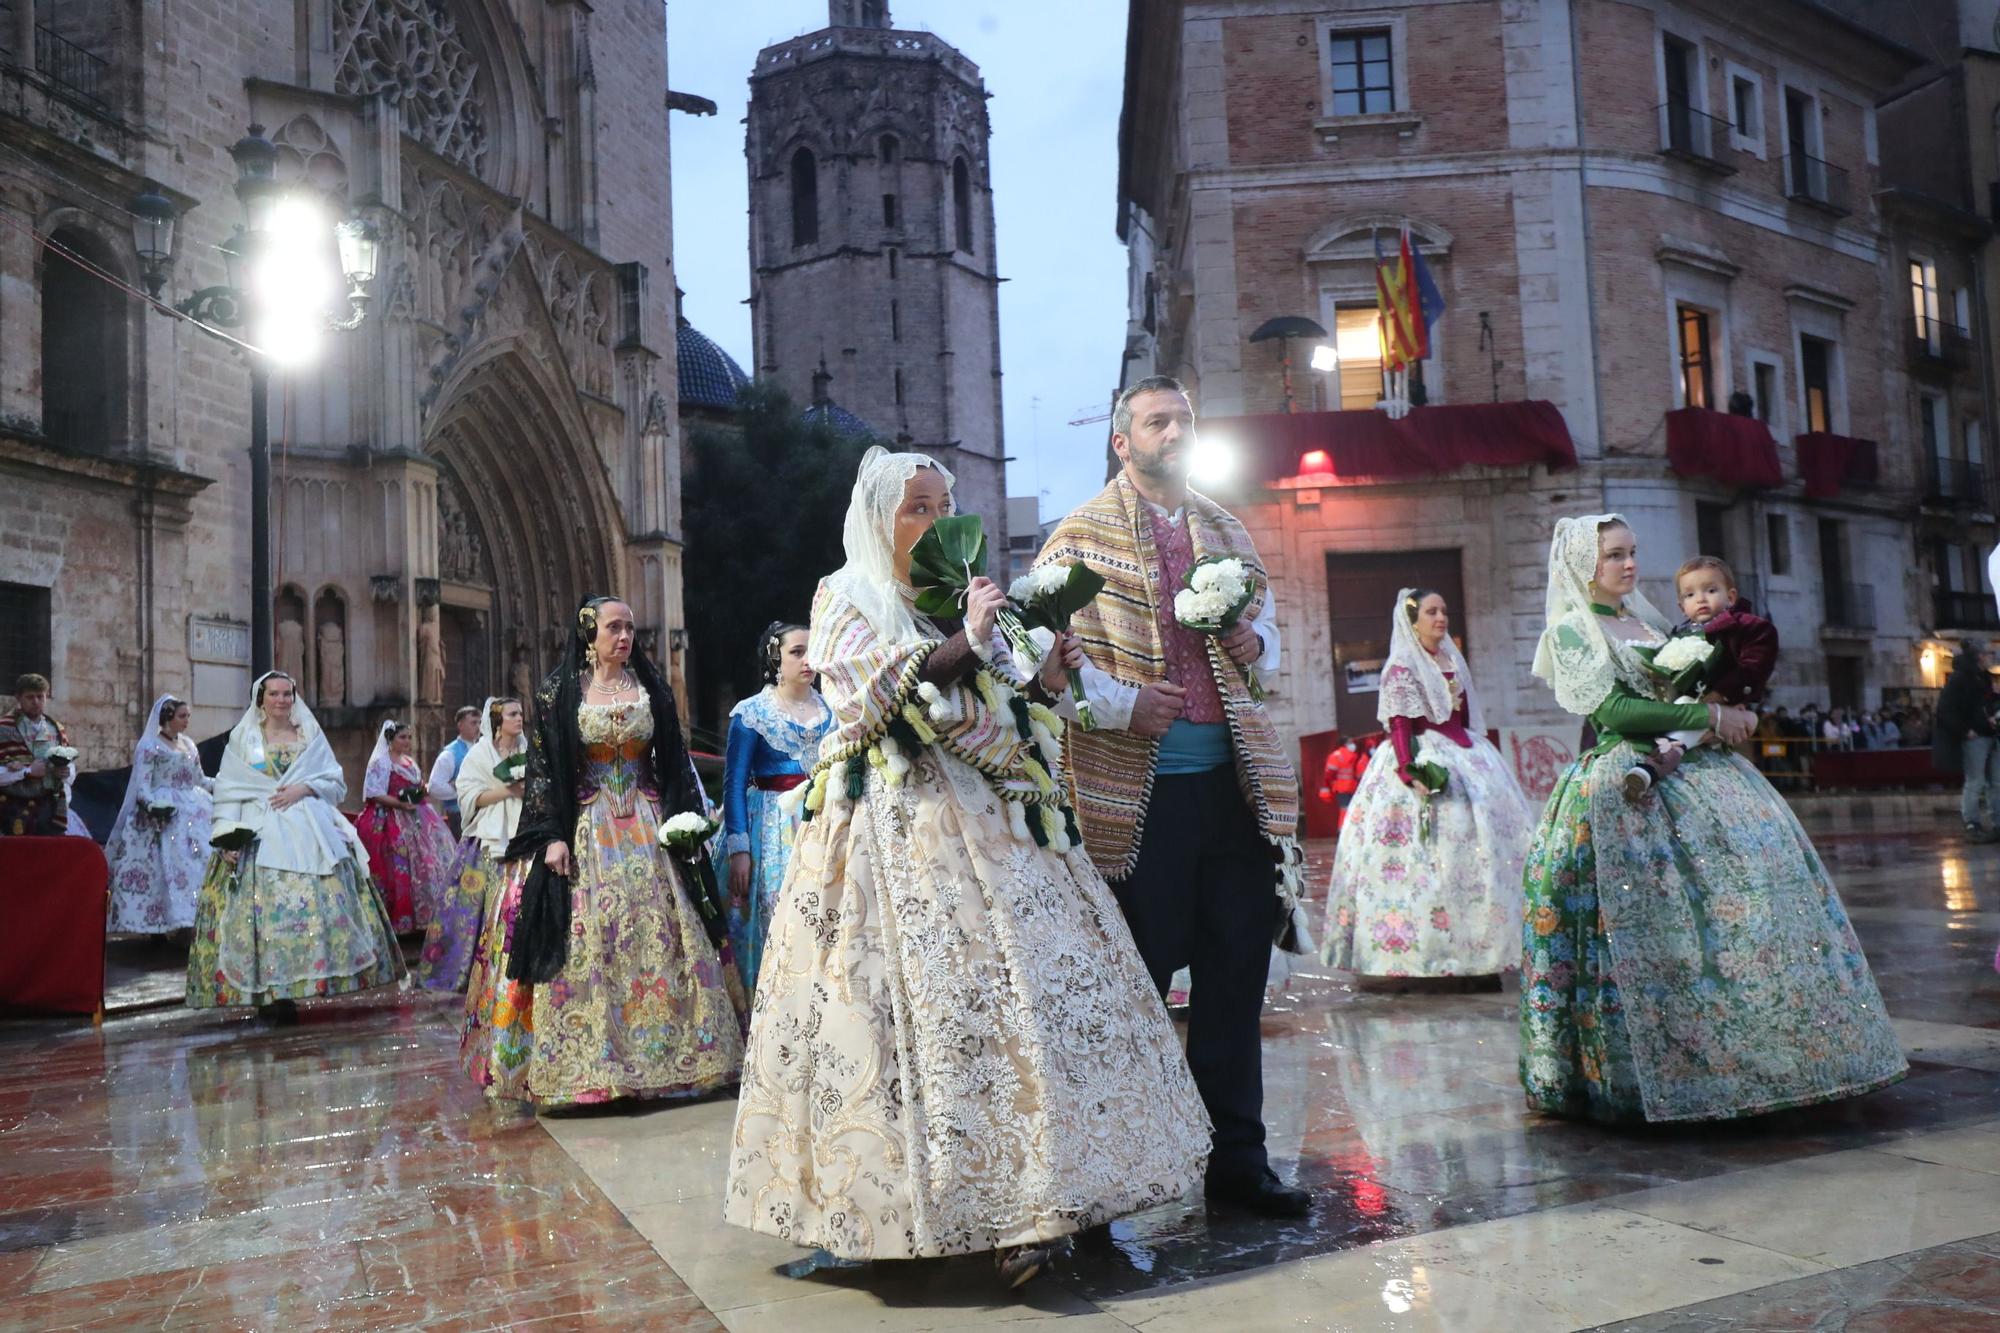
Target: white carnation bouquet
column 685, row 837
column 1218, row 592
column 687, row 833
column 1683, row 662
column 1049, row 598
column 62, row 754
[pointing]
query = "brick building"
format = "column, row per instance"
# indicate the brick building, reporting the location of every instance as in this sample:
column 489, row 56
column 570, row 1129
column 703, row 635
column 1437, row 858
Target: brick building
column 1637, row 211
column 871, row 241
column 494, row 440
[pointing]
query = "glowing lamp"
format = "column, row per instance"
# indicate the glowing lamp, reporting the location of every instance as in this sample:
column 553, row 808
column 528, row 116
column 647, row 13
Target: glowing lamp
column 1316, row 462
column 1211, row 461
column 1326, row 357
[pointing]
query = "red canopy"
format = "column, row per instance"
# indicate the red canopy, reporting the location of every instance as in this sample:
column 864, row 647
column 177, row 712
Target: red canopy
column 1828, row 461
column 1429, row 442
column 1738, row 451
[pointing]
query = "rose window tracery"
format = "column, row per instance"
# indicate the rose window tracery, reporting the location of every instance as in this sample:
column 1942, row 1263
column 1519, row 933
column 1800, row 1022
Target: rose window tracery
column 410, row 52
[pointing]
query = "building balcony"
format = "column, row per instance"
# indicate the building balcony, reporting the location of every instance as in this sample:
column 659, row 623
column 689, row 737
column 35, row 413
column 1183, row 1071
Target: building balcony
column 1849, row 608
column 1966, row 610
column 1815, row 183
column 1933, row 344
column 1829, row 464
column 1692, row 136
column 70, row 71
column 1954, row 482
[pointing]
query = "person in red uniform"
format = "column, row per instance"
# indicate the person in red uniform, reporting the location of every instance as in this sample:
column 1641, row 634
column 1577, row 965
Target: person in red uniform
column 1342, row 777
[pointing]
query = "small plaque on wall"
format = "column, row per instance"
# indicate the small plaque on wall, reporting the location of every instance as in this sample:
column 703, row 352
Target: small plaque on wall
column 224, row 641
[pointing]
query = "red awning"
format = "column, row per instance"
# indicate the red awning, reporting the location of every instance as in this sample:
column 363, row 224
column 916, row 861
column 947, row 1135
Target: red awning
column 1429, row 442
column 1737, row 451
column 1828, row 461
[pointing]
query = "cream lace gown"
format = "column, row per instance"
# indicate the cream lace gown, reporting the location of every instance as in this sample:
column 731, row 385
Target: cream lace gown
column 954, row 1046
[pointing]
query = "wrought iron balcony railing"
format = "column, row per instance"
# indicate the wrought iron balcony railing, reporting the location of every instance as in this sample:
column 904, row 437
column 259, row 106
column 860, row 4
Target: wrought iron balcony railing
column 1850, row 606
column 1693, row 136
column 1955, row 481
column 1816, row 182
column 76, row 72
column 1935, row 344
column 1966, row 610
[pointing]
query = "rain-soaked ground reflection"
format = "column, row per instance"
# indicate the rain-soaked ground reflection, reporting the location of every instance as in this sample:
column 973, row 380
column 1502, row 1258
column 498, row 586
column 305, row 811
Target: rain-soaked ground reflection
column 200, row 1170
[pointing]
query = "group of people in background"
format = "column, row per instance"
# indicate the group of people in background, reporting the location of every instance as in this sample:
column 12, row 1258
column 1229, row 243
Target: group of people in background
column 934, row 948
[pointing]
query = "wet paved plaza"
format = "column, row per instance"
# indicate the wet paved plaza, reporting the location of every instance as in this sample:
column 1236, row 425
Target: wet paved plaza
column 202, row 1171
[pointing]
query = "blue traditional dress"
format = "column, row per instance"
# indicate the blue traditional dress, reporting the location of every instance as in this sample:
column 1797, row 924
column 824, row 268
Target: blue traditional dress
column 768, row 754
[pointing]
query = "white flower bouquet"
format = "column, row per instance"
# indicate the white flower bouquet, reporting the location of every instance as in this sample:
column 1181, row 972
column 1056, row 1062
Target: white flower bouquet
column 687, row 832
column 685, row 837
column 1682, row 661
column 1049, row 598
column 62, row 754
column 161, row 812
column 1219, row 589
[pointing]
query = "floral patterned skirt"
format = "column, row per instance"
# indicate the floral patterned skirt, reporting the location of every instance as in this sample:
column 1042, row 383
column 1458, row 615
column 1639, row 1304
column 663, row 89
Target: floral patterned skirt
column 454, row 932
column 264, row 935
column 410, row 856
column 955, row 1046
column 1446, row 902
column 771, row 831
column 157, row 869
column 1685, row 956
column 646, row 1005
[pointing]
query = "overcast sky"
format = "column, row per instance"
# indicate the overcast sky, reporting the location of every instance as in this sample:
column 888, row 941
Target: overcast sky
column 1054, row 68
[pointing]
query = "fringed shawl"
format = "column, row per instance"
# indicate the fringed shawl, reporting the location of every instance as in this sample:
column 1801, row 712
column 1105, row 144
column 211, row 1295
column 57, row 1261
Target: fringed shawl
column 1112, row 771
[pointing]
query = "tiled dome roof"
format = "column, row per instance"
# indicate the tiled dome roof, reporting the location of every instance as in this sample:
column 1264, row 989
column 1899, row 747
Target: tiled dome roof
column 840, row 421
column 709, row 376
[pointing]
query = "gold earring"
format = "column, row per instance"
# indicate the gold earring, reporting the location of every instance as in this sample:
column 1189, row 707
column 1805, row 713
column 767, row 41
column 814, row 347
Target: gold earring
column 590, row 657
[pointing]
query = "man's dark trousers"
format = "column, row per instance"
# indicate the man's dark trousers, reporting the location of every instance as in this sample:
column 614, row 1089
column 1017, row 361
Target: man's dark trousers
column 1201, row 897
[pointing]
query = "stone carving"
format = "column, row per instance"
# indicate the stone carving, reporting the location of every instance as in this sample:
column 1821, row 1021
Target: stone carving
column 430, row 658
column 410, row 52
column 461, row 550
column 580, row 313
column 305, row 153
column 332, row 665
column 521, row 676
column 385, row 587
column 292, row 648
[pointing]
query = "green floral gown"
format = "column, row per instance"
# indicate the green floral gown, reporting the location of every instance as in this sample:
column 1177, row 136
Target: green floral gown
column 264, row 935
column 1685, row 956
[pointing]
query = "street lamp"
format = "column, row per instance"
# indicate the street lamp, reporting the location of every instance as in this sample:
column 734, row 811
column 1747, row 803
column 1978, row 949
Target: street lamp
column 276, row 283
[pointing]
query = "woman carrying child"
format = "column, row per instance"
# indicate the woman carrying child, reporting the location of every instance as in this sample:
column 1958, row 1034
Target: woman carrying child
column 1685, row 955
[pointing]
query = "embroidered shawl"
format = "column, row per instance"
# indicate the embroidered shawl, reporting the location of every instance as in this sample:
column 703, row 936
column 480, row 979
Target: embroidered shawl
column 1112, row 771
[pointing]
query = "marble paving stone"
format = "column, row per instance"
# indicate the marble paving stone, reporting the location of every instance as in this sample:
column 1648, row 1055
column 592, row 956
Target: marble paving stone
column 1950, row 1043
column 1835, row 1210
column 1971, row 1148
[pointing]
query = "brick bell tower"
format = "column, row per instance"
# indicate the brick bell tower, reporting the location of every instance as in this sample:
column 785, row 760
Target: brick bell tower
column 871, row 241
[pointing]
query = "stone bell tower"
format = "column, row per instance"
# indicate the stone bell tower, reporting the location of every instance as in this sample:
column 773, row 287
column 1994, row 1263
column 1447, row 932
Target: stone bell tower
column 871, row 240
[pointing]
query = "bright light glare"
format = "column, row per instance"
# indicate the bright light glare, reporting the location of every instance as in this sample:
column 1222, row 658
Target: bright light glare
column 293, row 281
column 1359, row 341
column 1212, row 460
column 1326, row 357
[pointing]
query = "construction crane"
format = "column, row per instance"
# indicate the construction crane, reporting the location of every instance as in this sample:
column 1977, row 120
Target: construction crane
column 1091, row 419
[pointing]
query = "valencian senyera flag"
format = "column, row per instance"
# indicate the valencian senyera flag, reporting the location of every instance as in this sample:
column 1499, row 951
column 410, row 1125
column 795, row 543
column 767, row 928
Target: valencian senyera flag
column 1408, row 303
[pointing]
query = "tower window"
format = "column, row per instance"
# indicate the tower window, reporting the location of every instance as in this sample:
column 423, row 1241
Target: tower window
column 899, row 388
column 805, row 198
column 892, row 265
column 961, row 205
column 889, row 218
column 888, row 150
column 896, row 321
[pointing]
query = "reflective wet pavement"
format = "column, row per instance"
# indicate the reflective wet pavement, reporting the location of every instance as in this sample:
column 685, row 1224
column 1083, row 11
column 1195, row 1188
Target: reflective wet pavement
column 202, row 1171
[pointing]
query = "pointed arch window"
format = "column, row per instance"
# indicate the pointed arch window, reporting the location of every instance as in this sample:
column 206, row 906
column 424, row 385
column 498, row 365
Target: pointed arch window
column 889, row 150
column 83, row 347
column 961, row 206
column 805, row 198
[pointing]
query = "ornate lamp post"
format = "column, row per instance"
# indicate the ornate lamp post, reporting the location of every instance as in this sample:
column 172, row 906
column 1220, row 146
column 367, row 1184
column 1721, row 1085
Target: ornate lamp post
column 273, row 262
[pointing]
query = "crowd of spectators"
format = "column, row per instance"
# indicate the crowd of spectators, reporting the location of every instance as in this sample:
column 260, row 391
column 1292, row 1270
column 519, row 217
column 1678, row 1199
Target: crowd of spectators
column 1892, row 727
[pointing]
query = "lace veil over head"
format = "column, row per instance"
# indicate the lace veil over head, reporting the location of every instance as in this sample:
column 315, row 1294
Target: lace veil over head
column 379, row 756
column 1419, row 688
column 868, row 579
column 1574, row 655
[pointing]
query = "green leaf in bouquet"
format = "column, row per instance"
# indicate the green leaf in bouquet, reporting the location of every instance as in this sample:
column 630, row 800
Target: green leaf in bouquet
column 1079, row 590
column 944, row 562
column 1431, row 774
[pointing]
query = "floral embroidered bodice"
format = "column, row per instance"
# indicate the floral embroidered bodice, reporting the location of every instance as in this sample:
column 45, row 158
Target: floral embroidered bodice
column 617, row 754
column 279, row 756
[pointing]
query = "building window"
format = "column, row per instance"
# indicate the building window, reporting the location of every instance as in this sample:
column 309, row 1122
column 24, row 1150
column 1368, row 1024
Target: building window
column 805, row 198
column 896, row 321
column 83, row 347
column 1708, row 529
column 1696, row 357
column 1930, row 426
column 1806, row 176
column 1746, row 107
column 1778, row 544
column 892, row 266
column 888, row 150
column 1816, row 372
column 1687, row 130
column 1357, row 375
column 1764, row 378
column 1150, row 318
column 1975, row 444
column 24, row 632
column 1924, row 299
column 889, row 210
column 1363, row 81
column 899, row 388
column 961, row 206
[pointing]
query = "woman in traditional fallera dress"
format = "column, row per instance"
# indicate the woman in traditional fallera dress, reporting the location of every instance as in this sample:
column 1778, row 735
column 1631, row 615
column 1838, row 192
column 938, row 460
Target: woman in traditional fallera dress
column 955, row 1046
column 1685, row 954
column 410, row 851
column 1428, row 884
column 158, row 849
column 489, row 811
column 604, row 969
column 292, row 915
column 774, row 739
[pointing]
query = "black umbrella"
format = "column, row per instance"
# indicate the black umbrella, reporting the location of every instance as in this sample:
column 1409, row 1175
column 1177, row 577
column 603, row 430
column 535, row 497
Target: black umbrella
column 1285, row 328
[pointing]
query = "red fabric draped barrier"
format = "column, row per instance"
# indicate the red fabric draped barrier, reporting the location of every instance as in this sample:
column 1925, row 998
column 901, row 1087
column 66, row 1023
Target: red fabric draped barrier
column 52, row 899
column 1428, row 442
column 1828, row 461
column 1738, row 451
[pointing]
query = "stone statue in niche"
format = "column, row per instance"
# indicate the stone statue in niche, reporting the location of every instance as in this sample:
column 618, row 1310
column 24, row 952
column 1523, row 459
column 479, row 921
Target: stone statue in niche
column 430, row 658
column 521, row 676
column 332, row 665
column 292, row 648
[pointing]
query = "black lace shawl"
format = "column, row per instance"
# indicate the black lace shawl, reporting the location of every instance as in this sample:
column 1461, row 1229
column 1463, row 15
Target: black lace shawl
column 550, row 804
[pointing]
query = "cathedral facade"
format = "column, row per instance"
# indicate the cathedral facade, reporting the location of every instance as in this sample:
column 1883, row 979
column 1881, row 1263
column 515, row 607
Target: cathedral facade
column 873, row 275
column 494, row 440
